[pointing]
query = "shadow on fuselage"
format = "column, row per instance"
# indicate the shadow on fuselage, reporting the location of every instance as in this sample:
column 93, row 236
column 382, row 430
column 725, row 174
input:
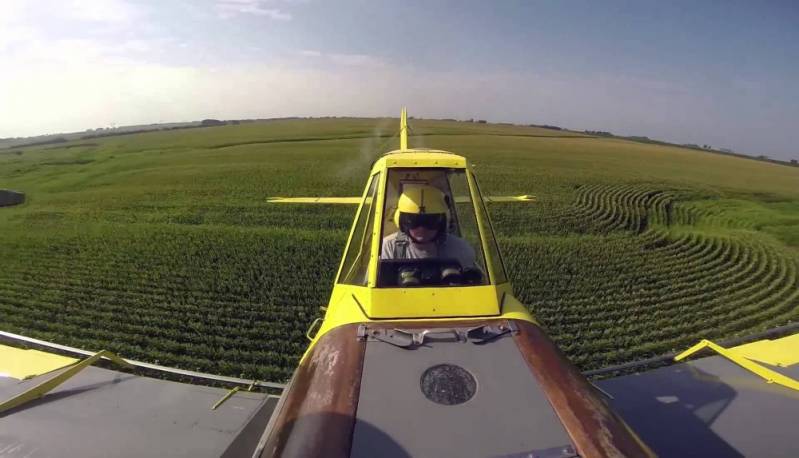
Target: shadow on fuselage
column 300, row 437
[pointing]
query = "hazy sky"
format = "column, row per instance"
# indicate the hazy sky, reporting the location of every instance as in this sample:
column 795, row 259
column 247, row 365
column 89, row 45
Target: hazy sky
column 724, row 73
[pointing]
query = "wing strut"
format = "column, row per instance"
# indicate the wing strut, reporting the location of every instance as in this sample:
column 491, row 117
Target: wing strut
column 43, row 388
column 769, row 375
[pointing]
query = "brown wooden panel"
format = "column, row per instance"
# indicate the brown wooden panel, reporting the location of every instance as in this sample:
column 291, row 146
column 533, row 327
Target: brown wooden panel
column 595, row 429
column 317, row 416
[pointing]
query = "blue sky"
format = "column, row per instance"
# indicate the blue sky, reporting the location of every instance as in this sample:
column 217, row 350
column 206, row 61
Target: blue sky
column 722, row 73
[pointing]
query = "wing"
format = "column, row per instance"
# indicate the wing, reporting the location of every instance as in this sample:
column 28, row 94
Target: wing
column 522, row 198
column 357, row 200
column 45, row 398
column 314, row 200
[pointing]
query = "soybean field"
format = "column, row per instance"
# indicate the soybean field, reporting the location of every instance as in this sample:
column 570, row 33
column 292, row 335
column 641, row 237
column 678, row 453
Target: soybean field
column 161, row 246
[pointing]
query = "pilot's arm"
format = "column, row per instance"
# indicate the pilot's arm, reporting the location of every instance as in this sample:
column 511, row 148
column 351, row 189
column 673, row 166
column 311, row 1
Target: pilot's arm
column 462, row 251
column 469, row 261
column 387, row 250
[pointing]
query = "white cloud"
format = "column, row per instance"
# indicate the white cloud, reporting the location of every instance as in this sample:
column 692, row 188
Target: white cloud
column 350, row 60
column 356, row 60
column 109, row 11
column 14, row 28
column 12, row 35
column 32, row 14
column 230, row 8
column 136, row 46
column 48, row 29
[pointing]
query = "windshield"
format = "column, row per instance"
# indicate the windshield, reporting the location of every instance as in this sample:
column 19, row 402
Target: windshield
column 354, row 269
column 430, row 234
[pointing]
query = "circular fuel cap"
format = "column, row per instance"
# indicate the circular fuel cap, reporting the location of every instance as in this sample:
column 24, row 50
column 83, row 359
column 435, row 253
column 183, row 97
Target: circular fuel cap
column 448, row 384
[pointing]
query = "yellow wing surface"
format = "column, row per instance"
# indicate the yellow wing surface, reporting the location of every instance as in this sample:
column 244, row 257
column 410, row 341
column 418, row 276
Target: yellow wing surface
column 23, row 364
column 315, row 200
column 357, row 200
column 779, row 352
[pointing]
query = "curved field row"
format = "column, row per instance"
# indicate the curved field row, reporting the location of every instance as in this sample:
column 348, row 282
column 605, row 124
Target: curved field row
column 740, row 295
column 658, row 291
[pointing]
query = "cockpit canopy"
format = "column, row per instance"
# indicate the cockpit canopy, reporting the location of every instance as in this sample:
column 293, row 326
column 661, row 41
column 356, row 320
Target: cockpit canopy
column 422, row 227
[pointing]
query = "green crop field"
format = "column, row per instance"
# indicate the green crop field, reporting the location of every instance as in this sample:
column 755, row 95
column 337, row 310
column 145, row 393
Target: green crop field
column 161, row 246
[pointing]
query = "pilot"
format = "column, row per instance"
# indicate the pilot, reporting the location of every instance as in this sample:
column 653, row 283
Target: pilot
column 421, row 217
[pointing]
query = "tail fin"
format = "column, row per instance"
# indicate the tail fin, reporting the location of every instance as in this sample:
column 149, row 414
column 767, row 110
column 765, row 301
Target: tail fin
column 404, row 129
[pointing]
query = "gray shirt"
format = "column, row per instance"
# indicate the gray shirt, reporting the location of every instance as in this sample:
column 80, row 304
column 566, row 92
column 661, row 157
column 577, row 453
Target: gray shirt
column 453, row 248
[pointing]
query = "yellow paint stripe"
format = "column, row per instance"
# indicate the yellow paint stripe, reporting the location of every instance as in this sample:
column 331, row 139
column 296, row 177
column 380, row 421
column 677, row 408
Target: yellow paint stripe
column 23, row 364
column 781, row 352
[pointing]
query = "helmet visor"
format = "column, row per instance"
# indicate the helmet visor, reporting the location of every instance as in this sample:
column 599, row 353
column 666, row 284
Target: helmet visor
column 429, row 220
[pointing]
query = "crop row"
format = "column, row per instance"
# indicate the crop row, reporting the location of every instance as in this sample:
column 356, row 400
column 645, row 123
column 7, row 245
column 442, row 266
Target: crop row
column 616, row 273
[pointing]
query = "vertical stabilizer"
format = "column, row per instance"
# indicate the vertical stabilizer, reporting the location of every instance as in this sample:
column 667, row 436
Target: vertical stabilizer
column 404, row 129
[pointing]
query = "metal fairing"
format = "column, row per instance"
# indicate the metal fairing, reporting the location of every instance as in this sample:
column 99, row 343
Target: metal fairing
column 509, row 412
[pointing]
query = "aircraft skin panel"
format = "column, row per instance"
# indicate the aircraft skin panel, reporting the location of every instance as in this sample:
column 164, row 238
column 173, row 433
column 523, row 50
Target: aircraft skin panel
column 509, row 413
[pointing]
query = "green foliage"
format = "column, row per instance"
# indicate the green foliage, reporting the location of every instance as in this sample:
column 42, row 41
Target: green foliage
column 161, row 247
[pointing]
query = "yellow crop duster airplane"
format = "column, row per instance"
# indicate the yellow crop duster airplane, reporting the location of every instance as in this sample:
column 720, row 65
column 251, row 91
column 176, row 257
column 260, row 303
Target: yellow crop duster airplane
column 423, row 351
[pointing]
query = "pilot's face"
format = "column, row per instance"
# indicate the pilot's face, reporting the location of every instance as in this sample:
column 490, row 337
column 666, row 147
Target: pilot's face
column 422, row 234
column 422, row 228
